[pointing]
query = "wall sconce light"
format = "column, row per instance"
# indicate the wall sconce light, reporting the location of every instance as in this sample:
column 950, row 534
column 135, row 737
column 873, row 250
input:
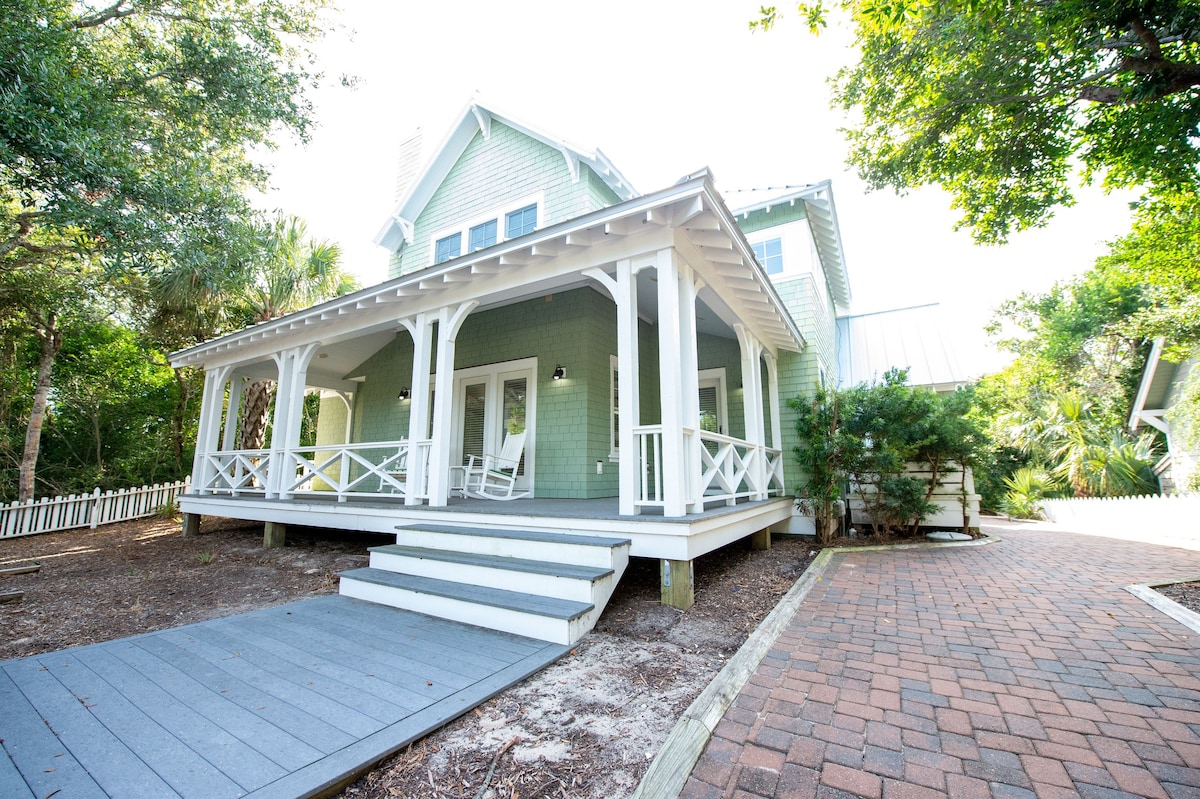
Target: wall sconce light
column 404, row 394
column 560, row 372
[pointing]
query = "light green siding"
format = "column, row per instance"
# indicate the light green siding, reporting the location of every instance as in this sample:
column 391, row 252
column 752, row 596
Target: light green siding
column 492, row 174
column 572, row 427
column 777, row 215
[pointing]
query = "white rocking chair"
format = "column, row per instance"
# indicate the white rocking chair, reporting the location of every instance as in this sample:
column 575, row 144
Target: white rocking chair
column 495, row 476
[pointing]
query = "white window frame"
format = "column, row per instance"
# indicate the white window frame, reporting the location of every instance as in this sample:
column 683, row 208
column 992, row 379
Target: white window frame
column 496, row 214
column 783, row 261
column 614, row 444
column 716, row 378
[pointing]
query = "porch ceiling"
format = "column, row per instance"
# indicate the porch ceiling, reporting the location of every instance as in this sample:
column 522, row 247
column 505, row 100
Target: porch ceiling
column 689, row 217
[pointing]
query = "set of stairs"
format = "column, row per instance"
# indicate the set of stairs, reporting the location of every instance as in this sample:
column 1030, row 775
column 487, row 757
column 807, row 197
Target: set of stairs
column 542, row 585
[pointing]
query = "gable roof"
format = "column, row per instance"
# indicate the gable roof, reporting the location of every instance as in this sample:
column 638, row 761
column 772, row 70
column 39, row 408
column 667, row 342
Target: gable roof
column 909, row 338
column 1154, row 389
column 690, row 214
column 823, row 222
column 477, row 118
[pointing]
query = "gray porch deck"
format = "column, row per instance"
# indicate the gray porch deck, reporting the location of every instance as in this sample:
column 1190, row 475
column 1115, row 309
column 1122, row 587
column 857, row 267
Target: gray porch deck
column 282, row 702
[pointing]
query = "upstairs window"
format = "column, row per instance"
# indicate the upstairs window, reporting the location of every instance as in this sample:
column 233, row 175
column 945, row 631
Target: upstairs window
column 482, row 236
column 520, row 222
column 447, row 248
column 770, row 254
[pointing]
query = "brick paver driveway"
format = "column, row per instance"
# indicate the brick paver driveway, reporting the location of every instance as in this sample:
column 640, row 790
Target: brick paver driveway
column 1017, row 669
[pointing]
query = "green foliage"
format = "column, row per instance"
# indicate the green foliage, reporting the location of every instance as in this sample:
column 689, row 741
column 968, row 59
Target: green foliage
column 1082, row 450
column 1026, row 487
column 133, row 124
column 868, row 436
column 1001, row 102
column 825, row 454
column 1076, row 339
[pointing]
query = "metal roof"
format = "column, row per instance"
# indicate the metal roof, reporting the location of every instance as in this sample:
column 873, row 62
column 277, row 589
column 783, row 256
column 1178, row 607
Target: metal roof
column 907, row 338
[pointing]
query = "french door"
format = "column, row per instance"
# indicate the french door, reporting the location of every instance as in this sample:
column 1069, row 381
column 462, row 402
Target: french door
column 491, row 402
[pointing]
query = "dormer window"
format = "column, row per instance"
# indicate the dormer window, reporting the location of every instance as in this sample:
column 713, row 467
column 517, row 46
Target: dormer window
column 487, row 229
column 447, row 248
column 482, row 235
column 520, row 222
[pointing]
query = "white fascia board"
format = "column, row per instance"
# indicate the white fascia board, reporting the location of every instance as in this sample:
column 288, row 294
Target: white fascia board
column 1139, row 402
column 751, row 263
column 406, row 285
column 477, row 117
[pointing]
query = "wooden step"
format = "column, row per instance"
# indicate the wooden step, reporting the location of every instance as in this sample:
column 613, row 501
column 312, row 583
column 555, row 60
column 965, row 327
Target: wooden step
column 547, row 618
column 581, row 550
column 562, row 580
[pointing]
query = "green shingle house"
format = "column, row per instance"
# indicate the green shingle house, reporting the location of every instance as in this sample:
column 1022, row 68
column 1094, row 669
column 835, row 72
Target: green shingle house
column 556, row 360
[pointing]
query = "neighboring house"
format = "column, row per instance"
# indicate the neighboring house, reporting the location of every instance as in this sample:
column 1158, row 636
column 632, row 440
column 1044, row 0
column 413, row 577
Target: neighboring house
column 1159, row 393
column 634, row 350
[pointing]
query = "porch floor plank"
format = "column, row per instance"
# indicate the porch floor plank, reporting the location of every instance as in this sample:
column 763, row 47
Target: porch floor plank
column 282, row 702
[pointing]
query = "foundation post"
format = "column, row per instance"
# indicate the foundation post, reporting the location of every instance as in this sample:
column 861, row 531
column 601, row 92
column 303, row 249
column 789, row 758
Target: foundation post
column 761, row 540
column 678, row 584
column 273, row 534
column 191, row 525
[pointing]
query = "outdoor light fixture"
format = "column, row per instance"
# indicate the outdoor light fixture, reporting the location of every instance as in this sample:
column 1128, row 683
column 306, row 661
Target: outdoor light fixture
column 560, row 372
column 404, row 394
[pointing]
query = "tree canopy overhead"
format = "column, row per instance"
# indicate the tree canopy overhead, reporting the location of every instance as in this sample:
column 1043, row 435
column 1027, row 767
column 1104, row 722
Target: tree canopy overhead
column 1002, row 102
column 132, row 122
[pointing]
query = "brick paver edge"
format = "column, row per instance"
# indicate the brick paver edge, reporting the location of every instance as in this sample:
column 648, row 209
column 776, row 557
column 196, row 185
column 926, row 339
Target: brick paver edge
column 1146, row 593
column 685, row 743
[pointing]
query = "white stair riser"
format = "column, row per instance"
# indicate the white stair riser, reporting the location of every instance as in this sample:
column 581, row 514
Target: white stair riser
column 580, row 590
column 556, row 631
column 549, row 551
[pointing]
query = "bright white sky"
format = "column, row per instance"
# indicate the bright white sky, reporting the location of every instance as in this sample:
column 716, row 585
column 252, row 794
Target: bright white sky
column 663, row 88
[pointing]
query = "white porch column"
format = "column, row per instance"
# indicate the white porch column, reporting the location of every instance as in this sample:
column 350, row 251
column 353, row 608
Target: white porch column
column 233, row 414
column 449, row 322
column 420, row 327
column 208, row 430
column 773, row 404
column 623, row 291
column 678, row 381
column 752, row 397
column 289, row 411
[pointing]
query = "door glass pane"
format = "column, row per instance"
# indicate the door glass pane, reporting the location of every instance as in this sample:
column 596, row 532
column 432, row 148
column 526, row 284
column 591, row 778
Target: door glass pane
column 514, row 411
column 474, row 406
column 709, row 410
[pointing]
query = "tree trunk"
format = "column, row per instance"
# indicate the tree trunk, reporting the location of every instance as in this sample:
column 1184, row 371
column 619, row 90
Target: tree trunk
column 256, row 404
column 51, row 337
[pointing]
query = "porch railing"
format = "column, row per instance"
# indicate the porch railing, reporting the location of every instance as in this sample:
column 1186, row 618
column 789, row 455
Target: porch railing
column 236, row 471
column 730, row 469
column 374, row 468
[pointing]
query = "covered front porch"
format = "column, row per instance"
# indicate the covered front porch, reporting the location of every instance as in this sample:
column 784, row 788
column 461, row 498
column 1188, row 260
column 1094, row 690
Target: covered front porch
column 635, row 352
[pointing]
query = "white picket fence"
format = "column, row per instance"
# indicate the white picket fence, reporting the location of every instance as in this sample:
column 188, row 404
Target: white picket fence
column 1122, row 515
column 48, row 514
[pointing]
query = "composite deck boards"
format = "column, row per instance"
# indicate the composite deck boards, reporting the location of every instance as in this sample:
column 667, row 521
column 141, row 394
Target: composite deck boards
column 171, row 759
column 338, row 690
column 232, row 756
column 255, row 732
column 282, row 702
column 403, row 670
column 460, row 648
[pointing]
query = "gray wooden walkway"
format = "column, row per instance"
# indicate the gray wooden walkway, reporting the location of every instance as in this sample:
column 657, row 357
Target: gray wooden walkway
column 282, row 702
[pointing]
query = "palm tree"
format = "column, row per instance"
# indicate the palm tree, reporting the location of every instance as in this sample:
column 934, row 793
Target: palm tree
column 293, row 272
column 278, row 270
